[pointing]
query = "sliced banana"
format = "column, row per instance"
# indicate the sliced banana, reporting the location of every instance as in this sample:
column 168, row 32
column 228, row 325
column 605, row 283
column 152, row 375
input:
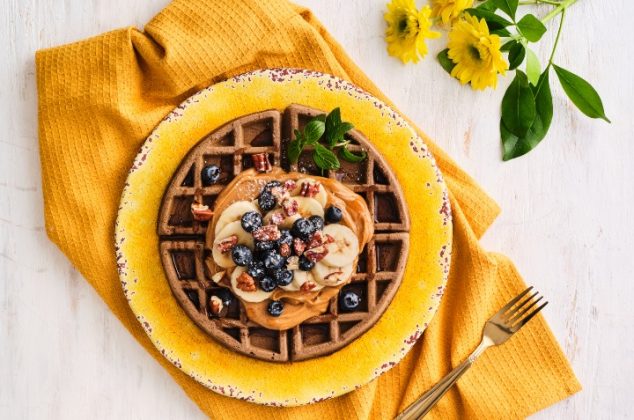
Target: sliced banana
column 321, row 195
column 234, row 228
column 309, row 207
column 234, row 212
column 299, row 278
column 287, row 223
column 344, row 249
column 258, row 295
column 331, row 276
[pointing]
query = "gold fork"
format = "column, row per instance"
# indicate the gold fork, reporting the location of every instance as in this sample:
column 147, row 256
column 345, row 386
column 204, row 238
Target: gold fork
column 499, row 328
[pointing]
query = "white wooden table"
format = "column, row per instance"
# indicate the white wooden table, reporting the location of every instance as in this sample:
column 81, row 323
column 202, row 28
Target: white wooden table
column 567, row 218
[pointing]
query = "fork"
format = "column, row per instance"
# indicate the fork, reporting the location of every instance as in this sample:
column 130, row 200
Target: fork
column 499, row 328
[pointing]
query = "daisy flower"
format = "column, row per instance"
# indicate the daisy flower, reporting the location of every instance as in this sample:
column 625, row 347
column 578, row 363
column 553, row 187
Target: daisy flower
column 449, row 10
column 407, row 30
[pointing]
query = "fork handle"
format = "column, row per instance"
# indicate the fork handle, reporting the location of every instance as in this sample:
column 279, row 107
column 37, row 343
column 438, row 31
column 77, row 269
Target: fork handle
column 423, row 405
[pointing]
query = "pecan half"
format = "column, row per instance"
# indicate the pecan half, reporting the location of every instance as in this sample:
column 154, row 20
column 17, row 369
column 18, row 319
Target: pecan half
column 246, row 283
column 285, row 250
column 308, row 286
column 316, row 254
column 309, row 189
column 316, row 240
column 299, row 246
column 201, row 212
column 261, row 162
column 227, row 244
column 289, row 185
column 267, row 233
column 290, row 206
column 216, row 307
column 277, row 218
column 280, row 194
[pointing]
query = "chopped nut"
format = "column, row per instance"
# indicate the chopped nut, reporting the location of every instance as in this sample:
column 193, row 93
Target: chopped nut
column 308, row 286
column 336, row 274
column 329, row 239
column 267, row 233
column 292, row 263
column 261, row 162
column 309, row 189
column 218, row 276
column 290, row 206
column 299, row 246
column 316, row 254
column 227, row 244
column 289, row 185
column 216, row 306
column 316, row 240
column 277, row 218
column 201, row 212
column 280, row 194
column 246, row 283
column 285, row 250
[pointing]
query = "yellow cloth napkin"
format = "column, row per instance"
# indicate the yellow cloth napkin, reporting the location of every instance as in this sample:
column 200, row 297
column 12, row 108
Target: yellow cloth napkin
column 99, row 99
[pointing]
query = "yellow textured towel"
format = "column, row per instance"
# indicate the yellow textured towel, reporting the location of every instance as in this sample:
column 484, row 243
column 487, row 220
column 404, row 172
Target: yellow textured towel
column 99, row 99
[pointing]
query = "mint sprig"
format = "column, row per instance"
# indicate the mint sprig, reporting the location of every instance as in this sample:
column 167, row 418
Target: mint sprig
column 332, row 130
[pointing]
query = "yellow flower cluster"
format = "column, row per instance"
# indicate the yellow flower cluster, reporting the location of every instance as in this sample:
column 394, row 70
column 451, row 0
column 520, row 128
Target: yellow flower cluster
column 474, row 51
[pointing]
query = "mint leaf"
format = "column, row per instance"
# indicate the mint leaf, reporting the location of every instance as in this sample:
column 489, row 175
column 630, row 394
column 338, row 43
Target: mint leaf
column 351, row 157
column 515, row 146
column 324, row 158
column 581, row 93
column 488, row 5
column 313, row 131
column 531, row 27
column 508, row 45
column 516, row 55
column 295, row 147
column 445, row 61
column 533, row 68
column 507, row 6
column 518, row 105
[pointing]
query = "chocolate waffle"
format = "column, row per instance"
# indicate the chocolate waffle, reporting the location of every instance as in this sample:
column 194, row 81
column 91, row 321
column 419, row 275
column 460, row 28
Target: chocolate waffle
column 182, row 239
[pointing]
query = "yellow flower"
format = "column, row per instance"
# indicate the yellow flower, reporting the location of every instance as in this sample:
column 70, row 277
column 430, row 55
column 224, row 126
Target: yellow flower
column 449, row 10
column 407, row 29
column 476, row 53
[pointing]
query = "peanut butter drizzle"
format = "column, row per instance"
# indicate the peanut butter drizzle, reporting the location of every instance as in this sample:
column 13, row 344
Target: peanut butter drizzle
column 298, row 305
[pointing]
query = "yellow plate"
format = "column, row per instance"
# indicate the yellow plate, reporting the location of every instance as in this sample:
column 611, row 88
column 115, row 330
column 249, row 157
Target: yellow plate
column 199, row 355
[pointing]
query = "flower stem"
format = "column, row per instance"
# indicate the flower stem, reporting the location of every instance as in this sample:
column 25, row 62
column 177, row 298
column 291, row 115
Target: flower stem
column 529, row 2
column 561, row 25
column 559, row 9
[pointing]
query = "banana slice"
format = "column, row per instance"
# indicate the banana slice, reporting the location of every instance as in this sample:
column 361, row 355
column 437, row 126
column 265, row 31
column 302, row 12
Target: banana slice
column 331, row 276
column 258, row 295
column 321, row 195
column 234, row 212
column 344, row 249
column 287, row 223
column 299, row 278
column 309, row 207
column 224, row 260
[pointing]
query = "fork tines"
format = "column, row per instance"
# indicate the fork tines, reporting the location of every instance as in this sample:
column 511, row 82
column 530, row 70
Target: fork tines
column 521, row 309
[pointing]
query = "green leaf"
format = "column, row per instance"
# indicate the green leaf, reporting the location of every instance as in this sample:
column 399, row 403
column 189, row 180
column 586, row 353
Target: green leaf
column 320, row 117
column 517, row 146
column 516, row 55
column 332, row 122
column 507, row 6
column 533, row 68
column 508, row 45
column 351, row 156
column 313, row 131
column 502, row 32
column 581, row 93
column 445, row 61
column 324, row 158
column 518, row 105
column 295, row 147
column 531, row 27
column 488, row 5
column 494, row 22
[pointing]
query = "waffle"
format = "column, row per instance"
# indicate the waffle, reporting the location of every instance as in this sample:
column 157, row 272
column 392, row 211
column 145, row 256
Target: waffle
column 182, row 239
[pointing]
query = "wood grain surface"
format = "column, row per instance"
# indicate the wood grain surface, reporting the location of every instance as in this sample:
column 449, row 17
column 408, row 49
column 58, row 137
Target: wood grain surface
column 567, row 218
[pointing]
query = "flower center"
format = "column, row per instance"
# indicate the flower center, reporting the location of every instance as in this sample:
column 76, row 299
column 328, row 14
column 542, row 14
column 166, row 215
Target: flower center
column 402, row 24
column 474, row 52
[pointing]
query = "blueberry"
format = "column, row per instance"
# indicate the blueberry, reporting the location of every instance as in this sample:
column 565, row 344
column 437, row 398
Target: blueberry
column 251, row 220
column 266, row 201
column 286, row 237
column 264, row 245
column 273, row 260
column 318, row 222
column 241, row 255
column 302, row 228
column 276, row 308
column 349, row 300
column 283, row 277
column 267, row 284
column 272, row 184
column 305, row 264
column 210, row 174
column 333, row 214
column 256, row 269
column 225, row 296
